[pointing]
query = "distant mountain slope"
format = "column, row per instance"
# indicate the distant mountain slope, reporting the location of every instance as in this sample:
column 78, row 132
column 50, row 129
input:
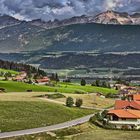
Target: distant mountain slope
column 79, row 37
column 108, row 17
column 111, row 17
column 91, row 61
column 6, row 20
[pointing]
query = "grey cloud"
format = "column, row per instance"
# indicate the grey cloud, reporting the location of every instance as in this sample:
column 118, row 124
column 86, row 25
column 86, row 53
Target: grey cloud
column 60, row 9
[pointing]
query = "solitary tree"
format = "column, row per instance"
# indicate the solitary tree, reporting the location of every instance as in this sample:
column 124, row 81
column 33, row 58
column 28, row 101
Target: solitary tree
column 69, row 102
column 83, row 82
column 78, row 102
column 97, row 83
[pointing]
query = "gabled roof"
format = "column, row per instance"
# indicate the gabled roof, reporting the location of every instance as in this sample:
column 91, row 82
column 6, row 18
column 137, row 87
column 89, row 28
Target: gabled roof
column 44, row 79
column 121, row 104
column 19, row 78
column 126, row 113
column 135, row 104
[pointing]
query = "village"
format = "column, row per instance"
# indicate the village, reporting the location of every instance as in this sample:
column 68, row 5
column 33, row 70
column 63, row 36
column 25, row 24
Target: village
column 125, row 114
column 108, row 105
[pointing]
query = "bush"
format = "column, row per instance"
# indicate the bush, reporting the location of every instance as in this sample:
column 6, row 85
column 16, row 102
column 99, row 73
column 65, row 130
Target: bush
column 110, row 95
column 69, row 102
column 104, row 113
column 2, row 90
column 55, row 90
column 29, row 90
column 78, row 102
column 123, row 98
column 79, row 92
column 55, row 96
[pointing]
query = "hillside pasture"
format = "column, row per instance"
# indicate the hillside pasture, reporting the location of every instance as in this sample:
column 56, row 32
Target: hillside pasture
column 89, row 100
column 20, row 111
column 11, row 86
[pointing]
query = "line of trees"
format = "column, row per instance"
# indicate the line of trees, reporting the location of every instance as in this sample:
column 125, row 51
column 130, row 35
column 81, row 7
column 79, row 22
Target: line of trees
column 21, row 67
column 99, row 83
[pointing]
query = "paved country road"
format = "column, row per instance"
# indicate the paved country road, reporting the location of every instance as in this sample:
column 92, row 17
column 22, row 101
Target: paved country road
column 46, row 129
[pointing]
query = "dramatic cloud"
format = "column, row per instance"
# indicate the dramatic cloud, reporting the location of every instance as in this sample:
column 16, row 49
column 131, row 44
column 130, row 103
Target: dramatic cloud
column 60, row 9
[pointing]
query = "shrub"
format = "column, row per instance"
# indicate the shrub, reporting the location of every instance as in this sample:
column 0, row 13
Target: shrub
column 29, row 90
column 78, row 102
column 123, row 98
column 55, row 96
column 69, row 102
column 79, row 92
column 104, row 113
column 55, row 90
column 2, row 90
column 110, row 95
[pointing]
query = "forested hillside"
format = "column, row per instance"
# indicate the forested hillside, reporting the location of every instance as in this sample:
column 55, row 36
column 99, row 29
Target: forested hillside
column 80, row 37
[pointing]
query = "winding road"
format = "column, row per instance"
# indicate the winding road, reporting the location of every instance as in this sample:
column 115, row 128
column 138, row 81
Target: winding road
column 46, row 129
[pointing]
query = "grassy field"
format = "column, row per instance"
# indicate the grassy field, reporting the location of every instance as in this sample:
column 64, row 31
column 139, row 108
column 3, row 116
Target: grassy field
column 24, row 110
column 89, row 100
column 85, row 131
column 10, row 71
column 88, row 88
column 11, row 86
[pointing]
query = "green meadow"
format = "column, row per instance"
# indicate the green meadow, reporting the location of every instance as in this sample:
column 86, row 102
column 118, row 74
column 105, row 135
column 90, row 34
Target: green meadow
column 11, row 86
column 25, row 110
column 10, row 71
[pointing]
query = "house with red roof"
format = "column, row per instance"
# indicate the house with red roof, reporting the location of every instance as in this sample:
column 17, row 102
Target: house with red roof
column 43, row 81
column 126, row 113
column 124, row 118
column 124, row 104
column 134, row 97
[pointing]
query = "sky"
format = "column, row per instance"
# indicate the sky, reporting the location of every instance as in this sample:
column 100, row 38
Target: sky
column 62, row 9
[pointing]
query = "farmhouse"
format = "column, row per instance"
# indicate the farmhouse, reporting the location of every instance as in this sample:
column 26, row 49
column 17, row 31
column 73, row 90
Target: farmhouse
column 124, row 118
column 121, row 104
column 43, row 80
column 126, row 113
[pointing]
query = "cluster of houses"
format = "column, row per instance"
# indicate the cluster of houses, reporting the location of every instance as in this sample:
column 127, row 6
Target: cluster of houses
column 125, row 90
column 22, row 77
column 126, row 113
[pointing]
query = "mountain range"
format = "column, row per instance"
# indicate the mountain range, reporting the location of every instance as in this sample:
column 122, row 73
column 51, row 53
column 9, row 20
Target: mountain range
column 108, row 17
column 31, row 41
